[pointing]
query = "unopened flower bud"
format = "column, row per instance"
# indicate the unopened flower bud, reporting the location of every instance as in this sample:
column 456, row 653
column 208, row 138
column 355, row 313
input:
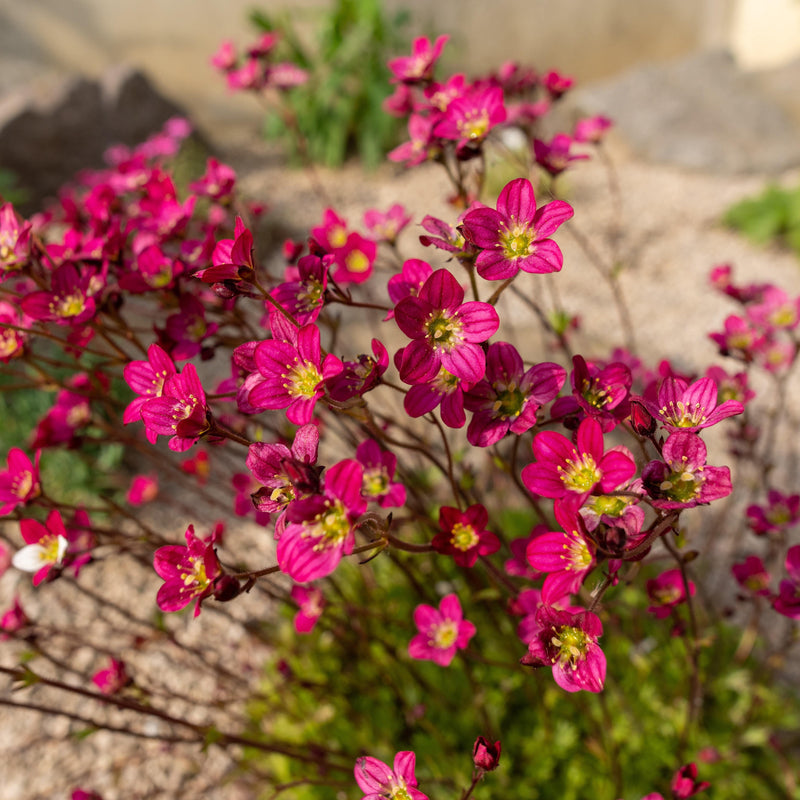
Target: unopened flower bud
column 642, row 420
column 685, row 783
column 485, row 755
column 226, row 588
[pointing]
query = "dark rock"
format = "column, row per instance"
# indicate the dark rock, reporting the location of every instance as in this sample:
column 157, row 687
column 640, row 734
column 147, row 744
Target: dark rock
column 700, row 112
column 53, row 127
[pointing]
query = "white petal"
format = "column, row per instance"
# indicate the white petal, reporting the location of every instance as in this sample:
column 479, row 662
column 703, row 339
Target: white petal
column 62, row 548
column 30, row 558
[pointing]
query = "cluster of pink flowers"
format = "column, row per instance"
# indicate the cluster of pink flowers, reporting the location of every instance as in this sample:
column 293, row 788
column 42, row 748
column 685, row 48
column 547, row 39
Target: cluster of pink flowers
column 258, row 68
column 125, row 234
column 456, row 117
column 762, row 333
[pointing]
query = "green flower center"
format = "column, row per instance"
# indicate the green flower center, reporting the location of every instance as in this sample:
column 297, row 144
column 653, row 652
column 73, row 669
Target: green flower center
column 682, row 486
column 283, row 494
column 445, row 634
column 463, row 537
column 581, row 473
column 399, row 791
column 778, row 514
column 197, row 577
column 69, row 306
column 579, row 556
column 593, row 394
column 303, row 380
column 667, row 595
column 510, row 401
column 783, row 317
column 445, row 382
column 517, row 241
column 375, row 482
column 610, row 506
column 444, row 333
column 310, row 296
column 571, row 646
column 331, row 526
column 475, row 125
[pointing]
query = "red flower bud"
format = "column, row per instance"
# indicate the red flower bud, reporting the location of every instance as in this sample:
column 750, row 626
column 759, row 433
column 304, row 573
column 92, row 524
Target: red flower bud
column 685, row 783
column 485, row 755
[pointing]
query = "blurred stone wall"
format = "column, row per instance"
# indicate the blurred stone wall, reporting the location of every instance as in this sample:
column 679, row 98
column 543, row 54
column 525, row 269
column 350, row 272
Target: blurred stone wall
column 590, row 39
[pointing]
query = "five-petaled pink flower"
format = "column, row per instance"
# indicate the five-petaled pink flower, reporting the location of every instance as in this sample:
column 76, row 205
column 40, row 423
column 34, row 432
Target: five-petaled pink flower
column 290, row 371
column 147, row 378
column 19, row 484
column 311, row 602
column 562, row 468
column 188, row 571
column 464, row 536
column 379, row 782
column 113, row 678
column 567, row 556
column 516, row 236
column 683, row 479
column 568, row 643
column 442, row 631
column 320, row 529
column 180, row 412
column 667, row 591
column 444, row 331
column 418, row 67
column 680, row 406
column 507, row 399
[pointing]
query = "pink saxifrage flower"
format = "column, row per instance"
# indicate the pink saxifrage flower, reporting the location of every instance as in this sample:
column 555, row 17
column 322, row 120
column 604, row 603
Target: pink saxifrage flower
column 568, row 643
column 379, row 782
column 787, row 602
column 290, row 371
column 113, row 678
column 378, row 484
column 180, row 412
column 780, row 512
column 516, row 236
column 311, row 602
column 20, row 483
column 463, row 534
column 683, row 479
column 562, row 468
column 508, row 397
column 188, row 572
column 418, row 67
column 321, row 526
column 470, row 118
column 15, row 241
column 444, row 331
column 566, row 556
column 680, row 406
column 667, row 591
column 147, row 378
column 442, row 631
column 13, row 620
column 285, row 474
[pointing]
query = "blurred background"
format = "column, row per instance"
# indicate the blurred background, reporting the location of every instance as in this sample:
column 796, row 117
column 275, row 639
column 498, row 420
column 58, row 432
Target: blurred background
column 172, row 40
